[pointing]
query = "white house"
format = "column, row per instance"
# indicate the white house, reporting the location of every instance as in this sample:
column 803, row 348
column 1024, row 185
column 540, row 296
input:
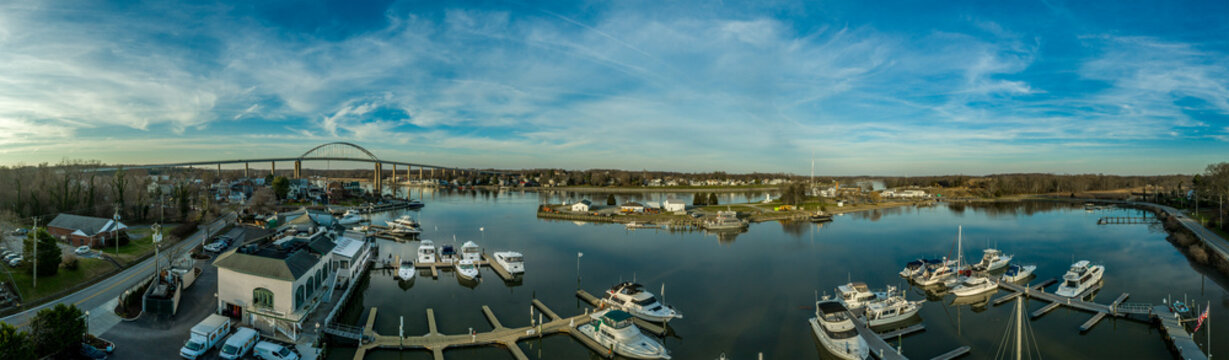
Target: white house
column 581, row 206
column 673, row 205
column 275, row 286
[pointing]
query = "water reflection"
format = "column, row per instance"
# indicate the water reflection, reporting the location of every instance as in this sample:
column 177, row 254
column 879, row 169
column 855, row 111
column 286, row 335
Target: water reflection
column 754, row 295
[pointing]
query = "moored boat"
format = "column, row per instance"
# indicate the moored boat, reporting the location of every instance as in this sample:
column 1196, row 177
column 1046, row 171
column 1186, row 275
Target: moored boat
column 913, row 268
column 406, row 271
column 1079, row 279
column 614, row 330
column 992, row 259
column 725, row 220
column 892, row 309
column 351, row 217
column 1016, row 273
column 634, row 299
column 833, row 325
column 471, row 252
column 856, row 295
column 974, row 286
column 467, row 270
column 426, row 252
column 448, row 254
column 512, row 261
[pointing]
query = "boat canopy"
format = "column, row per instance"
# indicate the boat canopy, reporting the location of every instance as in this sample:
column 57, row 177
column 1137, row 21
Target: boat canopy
column 617, row 319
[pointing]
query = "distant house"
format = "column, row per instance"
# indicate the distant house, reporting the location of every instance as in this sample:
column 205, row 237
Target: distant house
column 673, row 205
column 86, row 230
column 582, row 206
column 632, row 207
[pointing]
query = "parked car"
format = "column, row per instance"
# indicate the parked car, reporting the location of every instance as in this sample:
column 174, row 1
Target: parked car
column 15, row 262
column 239, row 344
column 272, row 351
column 90, row 352
column 216, row 246
column 19, row 232
column 9, row 256
column 82, row 250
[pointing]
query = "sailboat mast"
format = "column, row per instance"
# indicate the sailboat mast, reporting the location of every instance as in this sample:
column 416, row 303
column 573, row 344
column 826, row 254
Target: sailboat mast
column 1019, row 327
column 959, row 246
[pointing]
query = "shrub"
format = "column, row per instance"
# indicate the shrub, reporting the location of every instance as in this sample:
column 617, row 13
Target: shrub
column 70, row 263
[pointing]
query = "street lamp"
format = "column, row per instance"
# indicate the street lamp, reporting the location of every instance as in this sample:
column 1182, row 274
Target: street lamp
column 157, row 239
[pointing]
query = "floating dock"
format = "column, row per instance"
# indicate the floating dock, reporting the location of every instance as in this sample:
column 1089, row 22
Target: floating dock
column 500, row 335
column 486, row 261
column 879, row 347
column 645, row 325
column 1181, row 342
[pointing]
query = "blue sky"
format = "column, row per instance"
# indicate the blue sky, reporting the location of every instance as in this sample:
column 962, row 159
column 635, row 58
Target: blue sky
column 901, row 88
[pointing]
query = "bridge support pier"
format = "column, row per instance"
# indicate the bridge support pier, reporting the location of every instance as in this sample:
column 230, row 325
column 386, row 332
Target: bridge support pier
column 298, row 169
column 407, row 172
column 219, row 170
column 247, row 173
column 420, row 173
column 377, row 183
column 272, row 168
column 394, row 178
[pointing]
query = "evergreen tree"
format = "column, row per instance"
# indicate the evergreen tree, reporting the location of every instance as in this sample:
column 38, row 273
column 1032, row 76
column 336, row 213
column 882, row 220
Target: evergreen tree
column 712, row 199
column 610, row 200
column 48, row 254
column 281, row 186
column 699, row 199
column 14, row 344
column 58, row 331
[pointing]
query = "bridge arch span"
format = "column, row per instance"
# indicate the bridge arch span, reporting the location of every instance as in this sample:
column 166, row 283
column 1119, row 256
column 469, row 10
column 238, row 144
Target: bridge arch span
column 338, row 149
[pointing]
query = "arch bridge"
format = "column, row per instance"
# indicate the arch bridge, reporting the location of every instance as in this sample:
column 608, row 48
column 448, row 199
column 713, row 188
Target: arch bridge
column 333, row 151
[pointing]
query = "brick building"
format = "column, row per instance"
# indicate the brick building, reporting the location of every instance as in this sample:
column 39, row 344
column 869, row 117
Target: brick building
column 85, row 230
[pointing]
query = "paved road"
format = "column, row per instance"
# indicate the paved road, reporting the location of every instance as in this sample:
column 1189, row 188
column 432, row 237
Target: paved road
column 155, row 337
column 112, row 287
column 1218, row 243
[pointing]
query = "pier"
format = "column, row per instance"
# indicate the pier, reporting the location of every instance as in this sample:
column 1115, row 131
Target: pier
column 1124, row 220
column 882, row 350
column 1182, row 343
column 499, row 335
column 486, row 261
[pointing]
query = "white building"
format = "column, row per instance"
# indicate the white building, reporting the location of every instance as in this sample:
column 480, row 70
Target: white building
column 903, row 194
column 274, row 286
column 351, row 252
column 582, row 206
column 673, row 205
column 632, row 206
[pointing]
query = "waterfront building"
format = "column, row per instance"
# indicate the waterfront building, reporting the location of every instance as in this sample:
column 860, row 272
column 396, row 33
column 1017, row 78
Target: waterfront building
column 632, row 207
column 673, row 205
column 582, row 206
column 351, row 252
column 275, row 285
column 80, row 230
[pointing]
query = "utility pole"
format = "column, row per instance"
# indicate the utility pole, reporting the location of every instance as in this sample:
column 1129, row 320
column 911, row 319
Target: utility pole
column 35, row 253
column 115, row 230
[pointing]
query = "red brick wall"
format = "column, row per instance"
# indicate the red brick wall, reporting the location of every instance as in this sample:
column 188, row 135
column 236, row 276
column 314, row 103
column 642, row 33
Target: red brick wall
column 66, row 235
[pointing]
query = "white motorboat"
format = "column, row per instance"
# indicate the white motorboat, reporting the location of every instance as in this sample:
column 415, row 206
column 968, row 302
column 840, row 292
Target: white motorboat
column 992, row 259
column 856, row 295
column 426, row 252
column 892, row 309
column 1016, row 273
column 614, row 330
column 974, row 285
column 467, row 270
column 404, row 225
column 725, row 220
column 632, row 298
column 936, row 273
column 448, row 254
column 351, row 217
column 913, row 268
column 406, row 271
column 471, row 252
column 512, row 261
column 1079, row 279
column 834, row 327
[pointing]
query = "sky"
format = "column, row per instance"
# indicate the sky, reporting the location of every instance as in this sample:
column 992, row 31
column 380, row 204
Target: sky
column 884, row 88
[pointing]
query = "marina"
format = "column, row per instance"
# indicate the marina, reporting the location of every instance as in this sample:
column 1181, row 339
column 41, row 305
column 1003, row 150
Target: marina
column 555, row 278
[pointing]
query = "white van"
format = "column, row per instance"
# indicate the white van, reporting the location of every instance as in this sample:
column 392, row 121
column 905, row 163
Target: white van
column 239, row 344
column 205, row 335
column 272, row 351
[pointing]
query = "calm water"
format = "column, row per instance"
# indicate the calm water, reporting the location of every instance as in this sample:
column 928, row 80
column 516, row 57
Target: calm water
column 753, row 293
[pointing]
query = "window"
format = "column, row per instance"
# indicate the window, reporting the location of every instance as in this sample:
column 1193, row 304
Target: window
column 262, row 297
column 300, row 296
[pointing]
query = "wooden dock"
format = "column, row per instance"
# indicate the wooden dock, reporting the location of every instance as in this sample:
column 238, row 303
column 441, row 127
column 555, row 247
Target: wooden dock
column 1181, row 342
column 881, row 349
column 1013, row 295
column 500, row 335
column 1124, row 220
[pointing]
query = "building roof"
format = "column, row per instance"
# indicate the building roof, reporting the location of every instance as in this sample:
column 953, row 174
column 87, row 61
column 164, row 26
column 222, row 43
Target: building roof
column 585, row 201
column 633, row 203
column 348, row 247
column 88, row 225
column 286, row 259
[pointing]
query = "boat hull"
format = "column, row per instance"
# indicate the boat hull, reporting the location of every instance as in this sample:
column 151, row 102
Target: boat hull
column 906, row 315
column 840, row 349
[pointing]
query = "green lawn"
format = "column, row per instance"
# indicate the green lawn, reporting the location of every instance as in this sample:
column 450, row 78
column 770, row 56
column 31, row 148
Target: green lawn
column 87, row 271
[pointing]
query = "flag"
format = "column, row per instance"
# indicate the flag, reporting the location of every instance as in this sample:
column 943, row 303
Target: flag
column 1202, row 317
column 580, row 254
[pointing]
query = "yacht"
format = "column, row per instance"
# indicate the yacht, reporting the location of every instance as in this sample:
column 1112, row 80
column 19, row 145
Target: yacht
column 726, row 220
column 614, row 330
column 992, row 259
column 936, row 273
column 351, row 217
column 1079, row 279
column 426, row 252
column 913, row 268
column 406, row 271
column 833, row 325
column 856, row 295
column 892, row 309
column 471, row 252
column 467, row 270
column 632, row 298
column 512, row 261
column 974, row 285
column 1017, row 272
column 448, row 254
column 820, row 216
column 415, row 204
column 404, row 225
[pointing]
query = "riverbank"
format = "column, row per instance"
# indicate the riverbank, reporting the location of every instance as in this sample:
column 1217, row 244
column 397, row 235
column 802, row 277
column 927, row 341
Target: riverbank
column 671, row 189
